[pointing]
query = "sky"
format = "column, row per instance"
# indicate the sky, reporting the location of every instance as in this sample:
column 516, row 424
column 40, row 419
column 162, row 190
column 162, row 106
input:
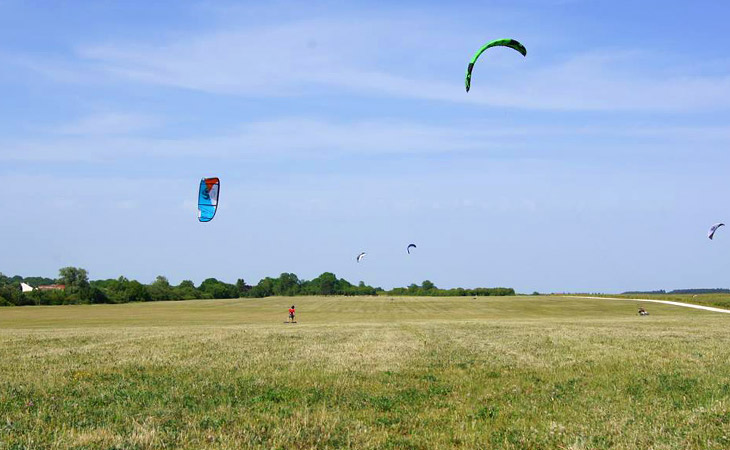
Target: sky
column 595, row 164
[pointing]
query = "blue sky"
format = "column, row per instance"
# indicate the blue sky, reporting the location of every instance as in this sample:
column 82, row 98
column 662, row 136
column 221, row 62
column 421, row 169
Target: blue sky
column 597, row 163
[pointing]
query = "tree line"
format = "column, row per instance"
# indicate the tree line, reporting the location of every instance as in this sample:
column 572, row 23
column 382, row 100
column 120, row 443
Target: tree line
column 80, row 290
column 680, row 291
column 427, row 288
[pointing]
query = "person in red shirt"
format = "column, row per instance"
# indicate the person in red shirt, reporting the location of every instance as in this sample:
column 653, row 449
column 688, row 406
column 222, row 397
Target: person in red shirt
column 292, row 310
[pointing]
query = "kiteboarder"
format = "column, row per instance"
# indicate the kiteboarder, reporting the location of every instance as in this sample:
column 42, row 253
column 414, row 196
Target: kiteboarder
column 292, row 312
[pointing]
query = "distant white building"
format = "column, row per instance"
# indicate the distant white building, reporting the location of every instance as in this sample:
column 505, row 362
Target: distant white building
column 26, row 287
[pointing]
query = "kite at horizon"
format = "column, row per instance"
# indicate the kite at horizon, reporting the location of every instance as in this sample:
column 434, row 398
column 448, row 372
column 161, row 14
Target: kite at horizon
column 511, row 43
column 208, row 198
column 713, row 229
column 360, row 256
column 408, row 249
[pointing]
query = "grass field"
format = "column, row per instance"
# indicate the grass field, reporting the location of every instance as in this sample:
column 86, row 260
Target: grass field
column 519, row 372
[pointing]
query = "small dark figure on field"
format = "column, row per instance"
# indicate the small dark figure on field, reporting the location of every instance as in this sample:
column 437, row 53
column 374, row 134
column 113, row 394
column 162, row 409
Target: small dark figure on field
column 643, row 312
column 292, row 311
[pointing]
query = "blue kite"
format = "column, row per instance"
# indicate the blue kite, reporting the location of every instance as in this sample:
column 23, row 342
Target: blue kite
column 208, row 198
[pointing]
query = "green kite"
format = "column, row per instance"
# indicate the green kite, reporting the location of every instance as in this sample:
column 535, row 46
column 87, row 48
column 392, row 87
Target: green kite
column 511, row 43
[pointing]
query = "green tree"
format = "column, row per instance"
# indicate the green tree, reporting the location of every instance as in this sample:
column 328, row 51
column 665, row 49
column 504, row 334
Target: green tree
column 264, row 288
column 324, row 284
column 218, row 289
column 242, row 287
column 136, row 292
column 12, row 295
column 160, row 289
column 186, row 284
column 97, row 295
column 77, row 285
column 116, row 290
column 286, row 284
column 73, row 277
column 186, row 290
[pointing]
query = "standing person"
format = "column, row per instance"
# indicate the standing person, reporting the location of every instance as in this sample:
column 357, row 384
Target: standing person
column 292, row 311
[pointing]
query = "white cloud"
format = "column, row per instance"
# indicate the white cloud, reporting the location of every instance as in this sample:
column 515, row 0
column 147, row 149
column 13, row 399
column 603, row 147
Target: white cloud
column 290, row 138
column 403, row 60
column 308, row 138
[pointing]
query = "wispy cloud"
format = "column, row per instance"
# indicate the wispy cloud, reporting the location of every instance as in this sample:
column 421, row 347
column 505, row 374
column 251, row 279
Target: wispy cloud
column 109, row 124
column 273, row 139
column 402, row 59
column 112, row 137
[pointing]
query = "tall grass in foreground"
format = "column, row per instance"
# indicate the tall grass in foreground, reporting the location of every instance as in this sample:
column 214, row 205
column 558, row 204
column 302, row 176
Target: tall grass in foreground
column 516, row 373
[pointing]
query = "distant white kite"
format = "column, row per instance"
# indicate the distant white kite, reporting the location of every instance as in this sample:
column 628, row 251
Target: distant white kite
column 711, row 233
column 360, row 256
